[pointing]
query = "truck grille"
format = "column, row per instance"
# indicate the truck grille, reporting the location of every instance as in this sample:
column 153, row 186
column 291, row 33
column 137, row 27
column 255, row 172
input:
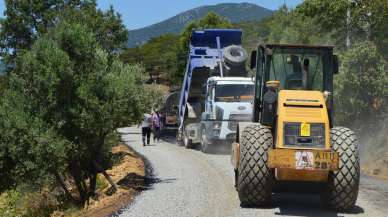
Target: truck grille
column 292, row 137
column 235, row 118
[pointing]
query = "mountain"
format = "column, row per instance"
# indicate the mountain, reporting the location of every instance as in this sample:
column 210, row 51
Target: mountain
column 235, row 12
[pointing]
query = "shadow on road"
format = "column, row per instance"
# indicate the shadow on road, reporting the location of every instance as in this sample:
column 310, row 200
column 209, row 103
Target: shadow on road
column 219, row 150
column 292, row 204
column 129, row 141
column 141, row 183
column 303, row 204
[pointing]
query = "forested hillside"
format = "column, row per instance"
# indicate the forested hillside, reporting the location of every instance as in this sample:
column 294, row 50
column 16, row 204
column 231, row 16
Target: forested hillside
column 234, row 12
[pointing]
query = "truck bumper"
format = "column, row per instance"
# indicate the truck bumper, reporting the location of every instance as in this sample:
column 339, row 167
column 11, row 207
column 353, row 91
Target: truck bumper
column 302, row 165
column 193, row 132
column 217, row 140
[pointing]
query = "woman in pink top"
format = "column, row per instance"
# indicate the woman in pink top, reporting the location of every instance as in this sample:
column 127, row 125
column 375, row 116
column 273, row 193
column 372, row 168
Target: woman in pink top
column 156, row 125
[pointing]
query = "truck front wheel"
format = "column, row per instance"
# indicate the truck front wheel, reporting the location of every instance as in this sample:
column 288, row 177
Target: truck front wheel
column 254, row 177
column 204, row 143
column 188, row 143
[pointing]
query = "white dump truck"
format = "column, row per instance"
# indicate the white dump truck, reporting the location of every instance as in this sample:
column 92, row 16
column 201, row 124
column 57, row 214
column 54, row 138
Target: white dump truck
column 216, row 92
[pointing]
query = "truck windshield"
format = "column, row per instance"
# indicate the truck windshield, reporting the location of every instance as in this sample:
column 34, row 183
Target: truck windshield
column 297, row 71
column 234, row 92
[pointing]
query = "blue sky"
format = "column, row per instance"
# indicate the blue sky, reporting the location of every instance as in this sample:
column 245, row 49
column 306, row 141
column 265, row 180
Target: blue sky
column 140, row 13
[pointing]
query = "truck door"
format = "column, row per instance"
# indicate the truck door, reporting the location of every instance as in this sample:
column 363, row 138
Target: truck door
column 210, row 100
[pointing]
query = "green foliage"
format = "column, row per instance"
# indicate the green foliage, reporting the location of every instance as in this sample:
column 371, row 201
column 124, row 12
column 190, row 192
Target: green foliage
column 26, row 21
column 361, row 86
column 8, row 203
column 331, row 14
column 368, row 19
column 101, row 183
column 287, row 26
column 107, row 26
column 158, row 56
column 23, row 203
column 65, row 97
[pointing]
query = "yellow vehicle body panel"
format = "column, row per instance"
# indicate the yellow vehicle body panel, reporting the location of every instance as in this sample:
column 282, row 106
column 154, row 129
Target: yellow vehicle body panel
column 302, row 163
column 305, row 107
column 301, row 175
column 235, row 156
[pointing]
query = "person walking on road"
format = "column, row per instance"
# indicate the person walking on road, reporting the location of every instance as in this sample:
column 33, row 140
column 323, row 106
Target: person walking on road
column 146, row 128
column 156, row 125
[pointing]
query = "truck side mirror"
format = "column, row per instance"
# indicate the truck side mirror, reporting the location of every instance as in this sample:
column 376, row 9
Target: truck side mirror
column 253, row 59
column 335, row 64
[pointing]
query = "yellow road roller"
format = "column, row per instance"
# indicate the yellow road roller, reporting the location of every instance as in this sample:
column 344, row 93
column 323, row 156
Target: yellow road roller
column 291, row 138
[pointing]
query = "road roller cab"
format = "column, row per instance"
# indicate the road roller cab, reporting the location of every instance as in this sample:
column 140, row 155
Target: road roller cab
column 291, row 137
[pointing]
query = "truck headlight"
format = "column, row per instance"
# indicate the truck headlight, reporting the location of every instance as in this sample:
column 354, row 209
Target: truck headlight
column 216, row 128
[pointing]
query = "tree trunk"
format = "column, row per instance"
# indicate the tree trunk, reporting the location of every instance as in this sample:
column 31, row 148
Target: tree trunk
column 93, row 183
column 106, row 175
column 80, row 185
column 61, row 181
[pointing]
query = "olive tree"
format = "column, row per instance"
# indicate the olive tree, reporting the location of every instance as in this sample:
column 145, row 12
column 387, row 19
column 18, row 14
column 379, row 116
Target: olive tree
column 65, row 97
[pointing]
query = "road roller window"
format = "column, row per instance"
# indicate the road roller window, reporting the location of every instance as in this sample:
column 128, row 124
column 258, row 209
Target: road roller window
column 297, row 71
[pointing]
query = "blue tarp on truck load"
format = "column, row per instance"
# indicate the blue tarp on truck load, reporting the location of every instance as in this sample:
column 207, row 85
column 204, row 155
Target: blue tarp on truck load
column 205, row 53
column 207, row 38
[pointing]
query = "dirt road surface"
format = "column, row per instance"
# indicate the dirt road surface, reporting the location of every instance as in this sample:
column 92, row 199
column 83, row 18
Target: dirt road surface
column 190, row 183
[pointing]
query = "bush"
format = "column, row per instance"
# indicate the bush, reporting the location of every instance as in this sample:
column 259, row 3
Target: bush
column 361, row 87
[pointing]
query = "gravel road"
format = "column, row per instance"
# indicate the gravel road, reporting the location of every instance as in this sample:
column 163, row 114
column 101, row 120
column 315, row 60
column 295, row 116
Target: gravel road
column 191, row 183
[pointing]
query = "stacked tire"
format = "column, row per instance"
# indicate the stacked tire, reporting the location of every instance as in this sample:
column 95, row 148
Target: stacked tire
column 235, row 58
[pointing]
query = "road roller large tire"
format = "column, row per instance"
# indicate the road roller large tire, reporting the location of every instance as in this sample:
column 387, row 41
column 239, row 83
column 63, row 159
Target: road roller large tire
column 341, row 190
column 254, row 177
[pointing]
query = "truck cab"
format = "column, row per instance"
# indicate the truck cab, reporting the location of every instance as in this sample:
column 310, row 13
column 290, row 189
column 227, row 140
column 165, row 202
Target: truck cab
column 228, row 100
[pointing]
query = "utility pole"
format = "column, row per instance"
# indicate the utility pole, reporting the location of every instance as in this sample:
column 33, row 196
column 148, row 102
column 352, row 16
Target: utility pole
column 348, row 27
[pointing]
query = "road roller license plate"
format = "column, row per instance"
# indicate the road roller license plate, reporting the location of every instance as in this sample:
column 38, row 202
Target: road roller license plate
column 326, row 160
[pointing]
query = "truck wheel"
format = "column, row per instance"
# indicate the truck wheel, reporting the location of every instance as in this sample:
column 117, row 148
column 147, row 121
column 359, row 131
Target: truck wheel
column 235, row 55
column 179, row 138
column 204, row 144
column 342, row 188
column 254, row 177
column 187, row 141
